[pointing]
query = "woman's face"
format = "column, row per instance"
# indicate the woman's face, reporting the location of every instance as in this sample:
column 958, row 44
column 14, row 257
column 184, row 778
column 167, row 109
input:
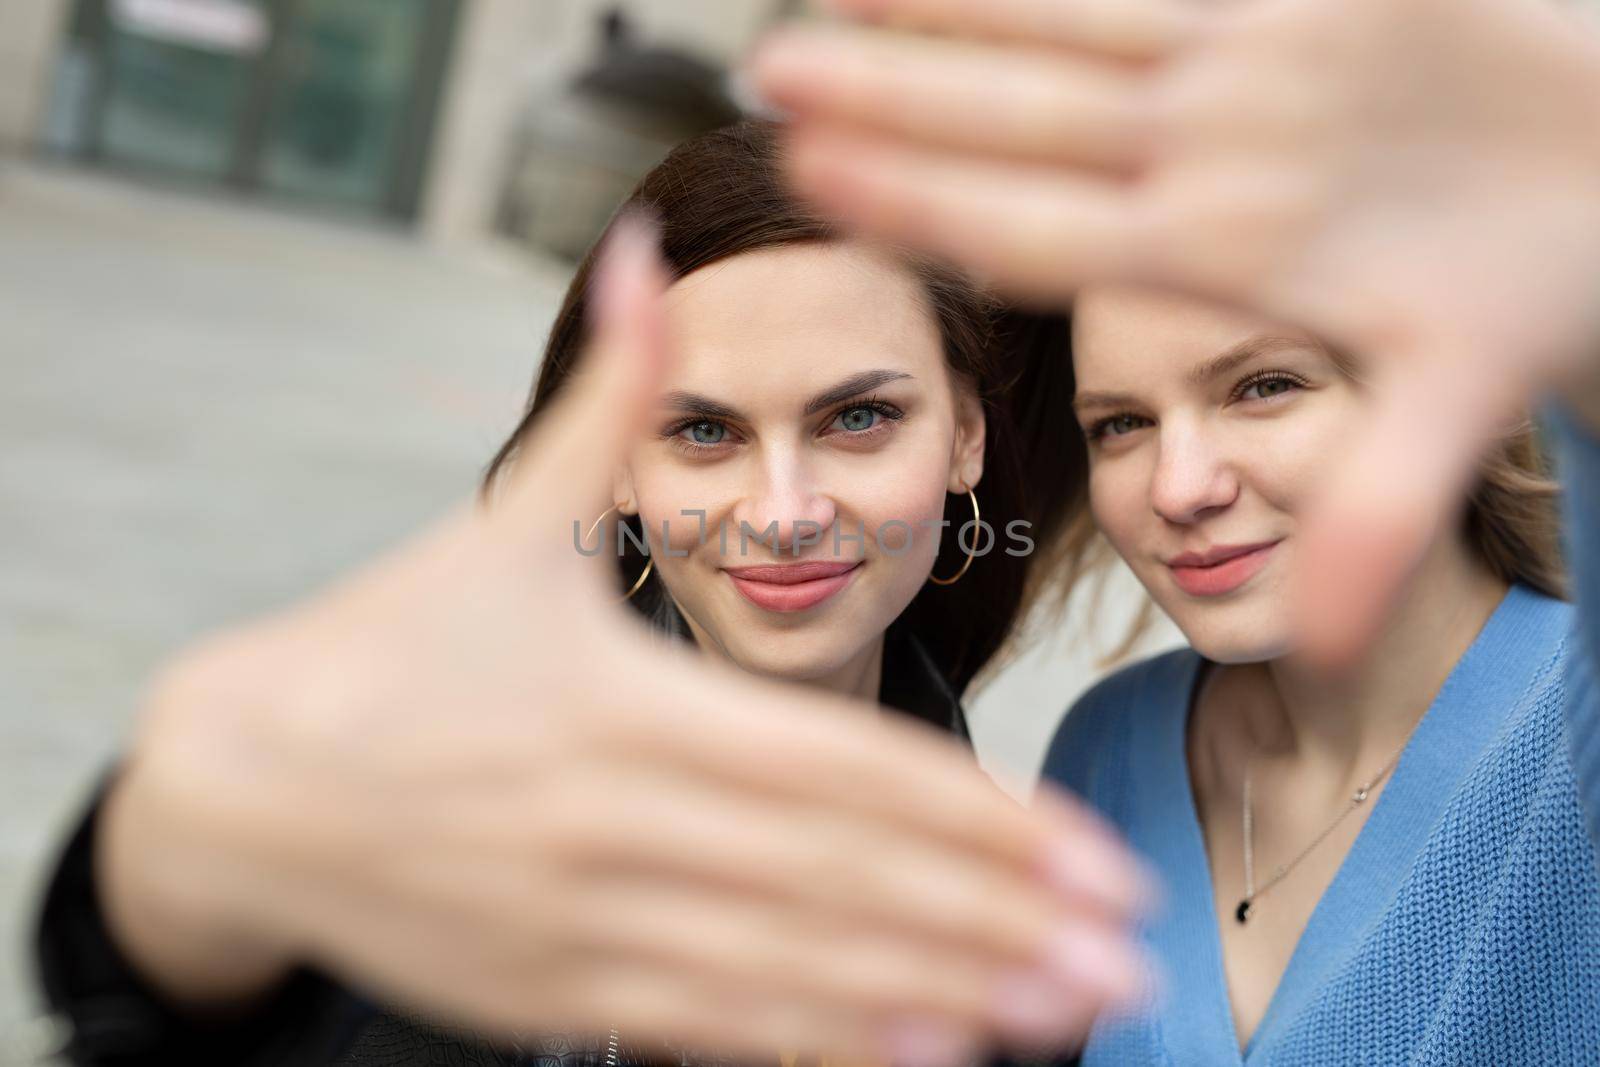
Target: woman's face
column 810, row 410
column 1206, row 429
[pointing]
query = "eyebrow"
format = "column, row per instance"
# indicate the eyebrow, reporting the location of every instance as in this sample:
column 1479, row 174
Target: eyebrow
column 1202, row 373
column 1242, row 352
column 696, row 404
column 856, row 383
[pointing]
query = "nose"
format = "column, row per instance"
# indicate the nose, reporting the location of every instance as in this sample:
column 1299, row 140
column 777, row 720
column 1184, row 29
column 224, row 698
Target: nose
column 1193, row 478
column 784, row 508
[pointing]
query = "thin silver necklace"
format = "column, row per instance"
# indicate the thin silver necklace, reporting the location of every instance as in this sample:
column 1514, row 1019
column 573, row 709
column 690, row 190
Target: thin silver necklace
column 1242, row 913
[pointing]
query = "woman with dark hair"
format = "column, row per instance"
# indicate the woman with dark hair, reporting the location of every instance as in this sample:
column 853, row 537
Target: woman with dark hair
column 769, row 302
column 831, row 409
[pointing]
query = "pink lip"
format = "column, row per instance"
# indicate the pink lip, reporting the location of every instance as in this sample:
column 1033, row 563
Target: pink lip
column 791, row 586
column 1219, row 570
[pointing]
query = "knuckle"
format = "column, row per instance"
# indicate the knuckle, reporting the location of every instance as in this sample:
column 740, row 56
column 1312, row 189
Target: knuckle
column 567, row 827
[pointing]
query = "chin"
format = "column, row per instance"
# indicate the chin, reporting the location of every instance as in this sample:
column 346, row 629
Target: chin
column 795, row 656
column 1251, row 629
column 1235, row 652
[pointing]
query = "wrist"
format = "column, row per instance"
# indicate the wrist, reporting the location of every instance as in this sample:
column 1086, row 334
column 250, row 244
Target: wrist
column 184, row 883
column 189, row 939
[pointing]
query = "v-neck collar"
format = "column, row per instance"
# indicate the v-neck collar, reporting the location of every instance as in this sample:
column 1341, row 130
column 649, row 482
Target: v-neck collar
column 1466, row 715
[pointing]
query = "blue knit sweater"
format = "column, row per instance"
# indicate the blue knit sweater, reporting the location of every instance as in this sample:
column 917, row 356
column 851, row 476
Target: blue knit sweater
column 1464, row 924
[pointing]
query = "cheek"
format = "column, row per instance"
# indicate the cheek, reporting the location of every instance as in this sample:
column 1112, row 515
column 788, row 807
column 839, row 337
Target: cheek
column 914, row 498
column 902, row 504
column 665, row 491
column 1119, row 501
column 1290, row 457
column 663, row 498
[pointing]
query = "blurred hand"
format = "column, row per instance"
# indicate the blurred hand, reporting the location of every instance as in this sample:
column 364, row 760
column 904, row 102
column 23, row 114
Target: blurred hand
column 465, row 780
column 1417, row 181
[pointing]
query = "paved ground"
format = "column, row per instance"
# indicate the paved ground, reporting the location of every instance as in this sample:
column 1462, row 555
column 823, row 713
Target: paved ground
column 208, row 408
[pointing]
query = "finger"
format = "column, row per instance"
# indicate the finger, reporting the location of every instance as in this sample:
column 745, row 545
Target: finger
column 1040, row 232
column 821, row 751
column 838, row 868
column 1128, row 29
column 565, row 468
column 1090, row 861
column 972, row 98
column 1404, row 483
column 755, row 944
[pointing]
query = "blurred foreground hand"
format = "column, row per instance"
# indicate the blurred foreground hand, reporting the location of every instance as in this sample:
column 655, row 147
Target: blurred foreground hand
column 1417, row 181
column 465, row 781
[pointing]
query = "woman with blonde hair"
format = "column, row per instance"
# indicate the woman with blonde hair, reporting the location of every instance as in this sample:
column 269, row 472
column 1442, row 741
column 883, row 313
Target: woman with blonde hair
column 1326, row 259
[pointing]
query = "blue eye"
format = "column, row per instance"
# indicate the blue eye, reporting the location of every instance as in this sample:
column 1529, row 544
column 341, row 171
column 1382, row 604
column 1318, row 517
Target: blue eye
column 858, row 419
column 707, row 433
column 1116, row 426
column 1269, row 388
column 1268, row 385
column 866, row 419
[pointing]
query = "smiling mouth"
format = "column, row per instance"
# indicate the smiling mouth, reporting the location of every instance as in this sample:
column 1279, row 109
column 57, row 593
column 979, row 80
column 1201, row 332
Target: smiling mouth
column 787, row 587
column 1220, row 570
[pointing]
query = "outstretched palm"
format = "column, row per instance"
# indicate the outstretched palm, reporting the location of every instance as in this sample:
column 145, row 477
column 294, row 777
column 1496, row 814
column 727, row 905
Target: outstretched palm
column 1418, row 181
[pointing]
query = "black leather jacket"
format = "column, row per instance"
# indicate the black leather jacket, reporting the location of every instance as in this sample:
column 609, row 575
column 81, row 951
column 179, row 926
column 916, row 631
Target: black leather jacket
column 108, row 1017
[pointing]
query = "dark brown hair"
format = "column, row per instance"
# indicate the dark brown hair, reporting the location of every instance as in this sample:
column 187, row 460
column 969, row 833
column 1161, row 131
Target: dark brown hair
column 722, row 194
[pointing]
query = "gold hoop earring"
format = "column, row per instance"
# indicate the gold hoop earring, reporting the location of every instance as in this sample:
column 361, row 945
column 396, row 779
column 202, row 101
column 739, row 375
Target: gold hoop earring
column 650, row 562
column 976, row 518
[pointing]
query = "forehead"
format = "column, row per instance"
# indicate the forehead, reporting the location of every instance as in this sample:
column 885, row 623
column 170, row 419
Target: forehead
column 1123, row 335
column 799, row 314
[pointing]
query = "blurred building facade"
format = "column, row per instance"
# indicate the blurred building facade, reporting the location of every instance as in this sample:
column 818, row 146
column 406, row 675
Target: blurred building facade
column 458, row 117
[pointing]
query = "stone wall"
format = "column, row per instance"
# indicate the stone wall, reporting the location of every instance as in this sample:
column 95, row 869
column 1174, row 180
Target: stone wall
column 30, row 31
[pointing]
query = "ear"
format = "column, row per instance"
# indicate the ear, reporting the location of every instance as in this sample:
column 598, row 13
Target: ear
column 966, row 456
column 622, row 491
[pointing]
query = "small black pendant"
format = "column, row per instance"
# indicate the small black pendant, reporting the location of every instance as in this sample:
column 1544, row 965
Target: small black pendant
column 1242, row 912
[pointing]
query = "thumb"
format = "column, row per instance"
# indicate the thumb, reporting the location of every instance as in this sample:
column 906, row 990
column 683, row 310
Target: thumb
column 1402, row 483
column 564, row 469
